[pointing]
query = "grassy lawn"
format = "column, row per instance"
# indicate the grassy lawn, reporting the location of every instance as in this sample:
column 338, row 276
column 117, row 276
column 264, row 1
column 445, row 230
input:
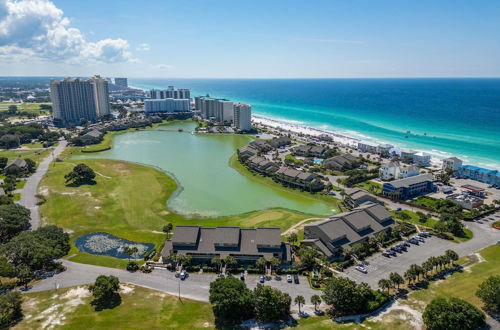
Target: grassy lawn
column 413, row 218
column 33, row 108
column 20, row 184
column 129, row 201
column 370, row 186
column 36, row 155
column 140, row 308
column 234, row 163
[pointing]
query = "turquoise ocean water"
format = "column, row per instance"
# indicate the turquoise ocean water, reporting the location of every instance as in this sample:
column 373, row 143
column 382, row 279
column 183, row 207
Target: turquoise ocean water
column 446, row 117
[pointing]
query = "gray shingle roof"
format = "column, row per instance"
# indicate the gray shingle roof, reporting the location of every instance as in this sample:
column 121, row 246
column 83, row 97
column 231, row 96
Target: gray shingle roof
column 186, row 234
column 406, row 182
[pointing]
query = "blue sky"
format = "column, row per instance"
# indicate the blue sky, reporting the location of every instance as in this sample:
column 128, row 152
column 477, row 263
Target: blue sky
column 247, row 39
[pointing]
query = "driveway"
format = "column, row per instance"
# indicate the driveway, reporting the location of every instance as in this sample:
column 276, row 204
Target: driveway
column 195, row 287
column 380, row 267
column 29, row 191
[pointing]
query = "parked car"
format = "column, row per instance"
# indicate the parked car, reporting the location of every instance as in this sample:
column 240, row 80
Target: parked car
column 183, row 275
column 413, row 241
column 262, row 279
column 398, row 209
column 242, row 276
column 220, row 276
column 296, row 278
column 277, row 278
column 386, row 254
column 361, row 269
column 289, row 278
column 418, row 238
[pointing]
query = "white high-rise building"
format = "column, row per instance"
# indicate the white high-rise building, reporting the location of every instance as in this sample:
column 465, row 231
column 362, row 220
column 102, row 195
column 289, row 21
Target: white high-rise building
column 220, row 110
column 75, row 99
column 170, row 93
column 166, row 105
column 243, row 116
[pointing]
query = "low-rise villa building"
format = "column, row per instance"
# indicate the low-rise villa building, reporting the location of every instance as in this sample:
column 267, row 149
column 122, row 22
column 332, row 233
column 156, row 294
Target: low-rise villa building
column 247, row 152
column 280, row 142
column 18, row 162
column 480, row 174
column 298, row 179
column 341, row 162
column 356, row 197
column 262, row 165
column 384, row 148
column 452, row 163
column 246, row 245
column 466, row 201
column 261, row 145
column 342, row 231
column 310, row 151
column 408, row 188
column 367, row 147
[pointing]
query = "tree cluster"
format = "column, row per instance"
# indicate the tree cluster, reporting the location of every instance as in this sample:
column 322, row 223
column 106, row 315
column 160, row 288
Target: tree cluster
column 81, row 174
column 105, row 292
column 14, row 219
column 347, row 297
column 489, row 293
column 233, row 302
column 452, row 314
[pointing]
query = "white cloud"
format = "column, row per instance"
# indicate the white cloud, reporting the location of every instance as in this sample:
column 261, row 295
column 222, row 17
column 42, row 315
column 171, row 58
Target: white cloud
column 144, row 47
column 37, row 29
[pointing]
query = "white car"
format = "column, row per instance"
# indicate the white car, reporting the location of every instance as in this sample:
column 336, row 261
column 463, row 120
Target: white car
column 361, row 269
column 289, row 278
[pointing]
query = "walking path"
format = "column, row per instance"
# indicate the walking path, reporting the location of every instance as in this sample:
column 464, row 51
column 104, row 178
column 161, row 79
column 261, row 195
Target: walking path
column 29, row 191
column 298, row 225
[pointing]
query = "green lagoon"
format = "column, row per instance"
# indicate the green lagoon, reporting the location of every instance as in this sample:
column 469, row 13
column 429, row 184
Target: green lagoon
column 199, row 163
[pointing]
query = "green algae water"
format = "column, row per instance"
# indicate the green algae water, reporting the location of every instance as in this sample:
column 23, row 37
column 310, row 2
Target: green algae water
column 199, row 163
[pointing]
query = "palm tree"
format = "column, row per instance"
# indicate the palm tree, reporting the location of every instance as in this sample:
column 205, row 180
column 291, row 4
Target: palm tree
column 445, row 260
column 217, row 262
column 427, row 267
column 168, row 228
column 452, row 255
column 230, row 261
column 396, row 279
column 409, row 275
column 300, row 300
column 130, row 251
column 385, row 284
column 275, row 262
column 292, row 238
column 261, row 263
column 316, row 301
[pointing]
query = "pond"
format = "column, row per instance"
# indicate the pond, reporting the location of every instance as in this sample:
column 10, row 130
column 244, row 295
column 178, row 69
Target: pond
column 110, row 245
column 199, row 162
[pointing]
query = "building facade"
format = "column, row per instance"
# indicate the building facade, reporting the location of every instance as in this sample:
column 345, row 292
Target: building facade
column 245, row 245
column 367, row 147
column 480, row 174
column 170, row 93
column 166, row 105
column 452, row 163
column 243, row 116
column 75, row 99
column 342, row 231
column 408, row 188
column 394, row 170
column 122, row 82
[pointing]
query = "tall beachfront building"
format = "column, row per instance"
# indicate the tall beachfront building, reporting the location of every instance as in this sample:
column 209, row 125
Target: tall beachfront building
column 220, row 110
column 166, row 105
column 170, row 93
column 76, row 99
column 122, row 82
column 243, row 116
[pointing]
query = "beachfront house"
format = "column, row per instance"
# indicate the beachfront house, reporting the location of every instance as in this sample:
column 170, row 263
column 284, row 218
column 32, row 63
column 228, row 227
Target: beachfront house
column 384, row 148
column 341, row 162
column 342, row 231
column 298, row 179
column 245, row 245
column 367, row 147
column 422, row 159
column 453, row 164
column 394, row 170
column 408, row 188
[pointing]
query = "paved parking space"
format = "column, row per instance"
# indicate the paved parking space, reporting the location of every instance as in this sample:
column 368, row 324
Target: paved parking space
column 380, row 267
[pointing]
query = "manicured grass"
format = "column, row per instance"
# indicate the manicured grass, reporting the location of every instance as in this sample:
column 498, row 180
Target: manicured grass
column 129, row 201
column 33, row 108
column 464, row 284
column 20, row 184
column 140, row 308
column 414, row 218
column 234, row 163
column 17, row 197
column 36, row 155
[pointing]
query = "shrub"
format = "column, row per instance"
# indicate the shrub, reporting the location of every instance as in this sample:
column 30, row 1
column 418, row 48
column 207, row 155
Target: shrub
column 132, row 266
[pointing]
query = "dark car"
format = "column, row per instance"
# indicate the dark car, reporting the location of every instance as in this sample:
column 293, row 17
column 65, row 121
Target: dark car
column 296, row 279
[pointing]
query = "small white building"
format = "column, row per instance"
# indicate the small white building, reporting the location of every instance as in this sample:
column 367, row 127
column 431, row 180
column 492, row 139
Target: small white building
column 452, row 163
column 422, row 159
column 394, row 171
column 367, row 147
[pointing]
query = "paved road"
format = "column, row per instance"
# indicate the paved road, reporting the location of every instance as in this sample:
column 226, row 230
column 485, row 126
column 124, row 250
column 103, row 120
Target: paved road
column 196, row 287
column 379, row 266
column 29, row 190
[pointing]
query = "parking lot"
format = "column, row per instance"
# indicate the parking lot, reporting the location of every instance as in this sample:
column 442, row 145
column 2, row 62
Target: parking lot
column 379, row 267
